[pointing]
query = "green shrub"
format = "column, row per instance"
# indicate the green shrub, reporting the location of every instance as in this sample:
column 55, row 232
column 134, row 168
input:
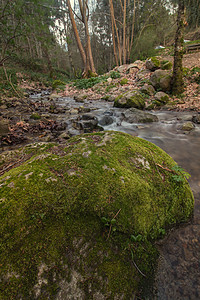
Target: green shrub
column 124, row 81
column 115, row 75
column 87, row 83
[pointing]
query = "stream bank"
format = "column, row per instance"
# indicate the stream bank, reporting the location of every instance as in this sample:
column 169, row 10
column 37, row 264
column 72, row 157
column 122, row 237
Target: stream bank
column 178, row 270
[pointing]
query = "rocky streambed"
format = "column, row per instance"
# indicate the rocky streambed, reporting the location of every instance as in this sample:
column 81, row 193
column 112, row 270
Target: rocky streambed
column 44, row 118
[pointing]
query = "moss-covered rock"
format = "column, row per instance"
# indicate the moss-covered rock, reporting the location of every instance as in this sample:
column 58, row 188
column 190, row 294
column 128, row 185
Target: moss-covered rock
column 79, row 220
column 161, row 79
column 162, row 97
column 153, row 63
column 130, row 99
column 166, row 65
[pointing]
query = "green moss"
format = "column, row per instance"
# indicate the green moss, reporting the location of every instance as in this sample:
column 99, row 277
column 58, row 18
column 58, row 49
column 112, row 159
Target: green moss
column 51, row 210
column 124, row 81
column 130, row 99
column 166, row 65
column 155, row 61
column 35, row 116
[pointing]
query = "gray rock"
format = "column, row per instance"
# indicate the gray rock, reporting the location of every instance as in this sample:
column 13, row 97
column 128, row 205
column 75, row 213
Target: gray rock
column 161, row 79
column 141, row 75
column 80, row 97
column 134, row 115
column 162, row 97
column 122, row 68
column 137, row 65
column 147, row 89
column 106, row 120
column 196, row 119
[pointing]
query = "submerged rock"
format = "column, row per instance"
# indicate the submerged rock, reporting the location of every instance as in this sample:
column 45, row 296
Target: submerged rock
column 79, row 220
column 134, row 115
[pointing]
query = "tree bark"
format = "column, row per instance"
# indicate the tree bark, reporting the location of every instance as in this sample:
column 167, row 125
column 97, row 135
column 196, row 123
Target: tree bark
column 76, row 34
column 177, row 78
column 116, row 29
column 124, row 32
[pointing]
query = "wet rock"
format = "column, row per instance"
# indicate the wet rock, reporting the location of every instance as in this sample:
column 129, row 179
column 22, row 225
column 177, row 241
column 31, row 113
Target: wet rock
column 106, row 120
column 82, row 109
column 130, row 99
column 196, row 119
column 161, row 79
column 87, row 123
column 134, row 115
column 188, row 126
column 80, row 97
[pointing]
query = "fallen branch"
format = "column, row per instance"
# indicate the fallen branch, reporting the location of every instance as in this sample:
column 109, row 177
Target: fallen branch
column 136, row 265
column 111, row 224
column 10, row 82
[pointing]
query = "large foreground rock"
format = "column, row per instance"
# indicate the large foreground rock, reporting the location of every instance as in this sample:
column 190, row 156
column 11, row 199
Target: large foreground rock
column 79, row 221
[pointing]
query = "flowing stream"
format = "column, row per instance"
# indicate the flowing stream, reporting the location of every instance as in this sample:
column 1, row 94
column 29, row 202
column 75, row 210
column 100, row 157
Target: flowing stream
column 178, row 274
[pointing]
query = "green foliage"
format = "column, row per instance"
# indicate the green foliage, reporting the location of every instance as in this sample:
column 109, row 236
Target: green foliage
column 58, row 84
column 87, row 83
column 115, row 74
column 124, row 81
column 35, row 116
column 180, row 175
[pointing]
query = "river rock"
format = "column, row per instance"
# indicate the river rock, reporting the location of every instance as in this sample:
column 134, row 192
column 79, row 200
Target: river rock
column 80, row 97
column 88, row 123
column 188, row 126
column 95, row 205
column 134, row 115
column 130, row 99
column 106, row 120
column 196, row 119
column 161, row 79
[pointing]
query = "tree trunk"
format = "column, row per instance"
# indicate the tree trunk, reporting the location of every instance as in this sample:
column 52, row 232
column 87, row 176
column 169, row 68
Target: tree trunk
column 124, row 32
column 116, row 29
column 87, row 35
column 177, row 78
column 132, row 31
column 76, row 34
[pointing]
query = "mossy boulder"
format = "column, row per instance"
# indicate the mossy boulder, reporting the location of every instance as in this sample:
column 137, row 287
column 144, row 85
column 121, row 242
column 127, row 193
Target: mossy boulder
column 161, row 80
column 166, row 65
column 147, row 89
column 162, row 98
column 153, row 63
column 79, row 220
column 130, row 99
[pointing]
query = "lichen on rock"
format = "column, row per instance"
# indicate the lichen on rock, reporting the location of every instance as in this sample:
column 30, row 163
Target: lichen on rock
column 78, row 233
column 130, row 99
